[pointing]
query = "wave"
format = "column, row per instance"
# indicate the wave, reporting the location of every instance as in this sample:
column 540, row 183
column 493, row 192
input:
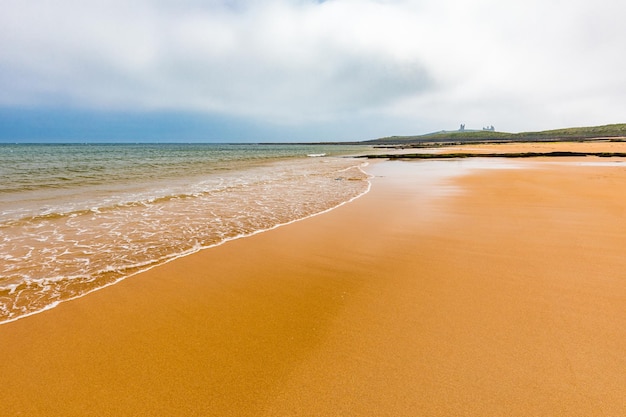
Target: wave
column 55, row 257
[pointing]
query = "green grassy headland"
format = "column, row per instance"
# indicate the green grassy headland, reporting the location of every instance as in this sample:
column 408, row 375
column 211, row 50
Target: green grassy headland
column 613, row 131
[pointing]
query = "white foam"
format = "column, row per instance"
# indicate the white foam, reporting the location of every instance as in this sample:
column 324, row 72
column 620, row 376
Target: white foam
column 130, row 239
column 600, row 164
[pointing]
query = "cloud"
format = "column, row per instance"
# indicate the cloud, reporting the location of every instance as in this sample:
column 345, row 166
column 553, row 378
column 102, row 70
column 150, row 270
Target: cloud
column 284, row 59
column 520, row 64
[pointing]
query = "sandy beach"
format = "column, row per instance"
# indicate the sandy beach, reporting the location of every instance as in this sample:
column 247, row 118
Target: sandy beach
column 499, row 292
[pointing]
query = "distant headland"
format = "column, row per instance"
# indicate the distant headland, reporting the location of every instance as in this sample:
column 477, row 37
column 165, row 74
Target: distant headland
column 490, row 135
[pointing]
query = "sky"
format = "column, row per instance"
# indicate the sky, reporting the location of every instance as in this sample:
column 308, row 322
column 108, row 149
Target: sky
column 305, row 70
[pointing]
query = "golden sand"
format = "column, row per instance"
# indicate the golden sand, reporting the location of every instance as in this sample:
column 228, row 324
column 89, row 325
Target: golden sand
column 504, row 297
column 513, row 147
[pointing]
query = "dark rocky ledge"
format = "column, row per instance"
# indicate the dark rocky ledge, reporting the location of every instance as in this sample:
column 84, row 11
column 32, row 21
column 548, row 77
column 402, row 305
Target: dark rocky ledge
column 494, row 155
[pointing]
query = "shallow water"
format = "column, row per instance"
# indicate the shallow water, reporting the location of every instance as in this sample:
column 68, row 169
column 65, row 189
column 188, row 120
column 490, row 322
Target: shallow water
column 76, row 218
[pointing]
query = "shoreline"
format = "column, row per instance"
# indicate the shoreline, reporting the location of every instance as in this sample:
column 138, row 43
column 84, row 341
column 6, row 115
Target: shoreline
column 411, row 300
column 173, row 258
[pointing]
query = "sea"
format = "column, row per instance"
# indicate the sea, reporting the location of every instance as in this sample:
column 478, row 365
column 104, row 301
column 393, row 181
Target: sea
column 75, row 218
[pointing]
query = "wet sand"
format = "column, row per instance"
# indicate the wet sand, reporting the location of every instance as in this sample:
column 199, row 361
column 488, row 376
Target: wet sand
column 502, row 293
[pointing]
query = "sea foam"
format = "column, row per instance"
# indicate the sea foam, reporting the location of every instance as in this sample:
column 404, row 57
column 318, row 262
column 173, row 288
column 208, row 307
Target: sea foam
column 64, row 245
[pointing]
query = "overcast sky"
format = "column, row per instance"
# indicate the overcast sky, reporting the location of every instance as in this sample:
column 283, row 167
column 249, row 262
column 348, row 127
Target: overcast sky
column 246, row 70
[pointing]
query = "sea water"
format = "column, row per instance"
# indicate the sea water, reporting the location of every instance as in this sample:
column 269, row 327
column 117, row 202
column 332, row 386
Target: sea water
column 76, row 218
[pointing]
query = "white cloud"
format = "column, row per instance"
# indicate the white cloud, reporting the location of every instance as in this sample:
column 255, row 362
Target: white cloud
column 517, row 64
